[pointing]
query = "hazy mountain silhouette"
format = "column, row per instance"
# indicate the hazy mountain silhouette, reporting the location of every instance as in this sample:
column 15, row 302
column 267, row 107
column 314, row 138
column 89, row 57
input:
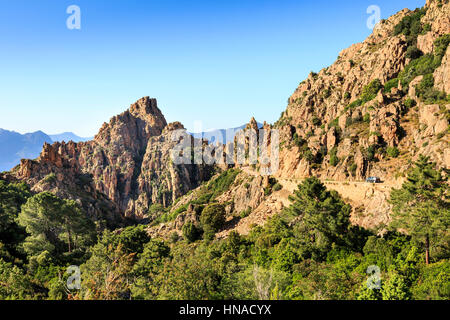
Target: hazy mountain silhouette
column 68, row 136
column 15, row 146
column 222, row 135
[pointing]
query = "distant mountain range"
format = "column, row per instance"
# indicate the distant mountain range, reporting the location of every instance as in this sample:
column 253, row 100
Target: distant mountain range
column 222, row 135
column 68, row 136
column 15, row 146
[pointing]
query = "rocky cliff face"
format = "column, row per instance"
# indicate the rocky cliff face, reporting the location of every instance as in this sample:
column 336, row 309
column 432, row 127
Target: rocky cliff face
column 127, row 164
column 332, row 115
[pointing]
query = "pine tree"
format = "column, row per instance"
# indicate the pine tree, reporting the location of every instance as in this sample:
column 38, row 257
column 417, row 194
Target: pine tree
column 421, row 207
column 325, row 217
column 54, row 225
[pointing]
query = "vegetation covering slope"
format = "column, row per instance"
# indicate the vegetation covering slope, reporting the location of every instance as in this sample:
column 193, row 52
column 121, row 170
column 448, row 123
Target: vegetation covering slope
column 308, row 251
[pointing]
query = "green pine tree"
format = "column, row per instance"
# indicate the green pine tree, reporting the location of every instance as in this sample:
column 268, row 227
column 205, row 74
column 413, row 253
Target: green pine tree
column 325, row 217
column 54, row 225
column 421, row 206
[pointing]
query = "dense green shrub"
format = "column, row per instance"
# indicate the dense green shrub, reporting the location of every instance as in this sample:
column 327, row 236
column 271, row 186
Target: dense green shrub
column 371, row 152
column 426, row 28
column 370, row 91
column 299, row 141
column 392, row 152
column 277, row 187
column 411, row 26
column 354, row 104
column 366, row 118
column 155, row 209
column 269, row 188
column 212, row 219
column 413, row 52
column 393, row 83
column 309, row 156
column 169, row 216
column 421, row 66
column 190, row 232
column 434, row 282
column 132, row 238
column 334, row 160
column 14, row 284
column 426, row 64
column 425, row 90
column 395, row 287
column 440, row 46
column 410, row 103
column 352, row 168
column 334, row 123
column 245, row 213
column 50, row 178
column 222, row 183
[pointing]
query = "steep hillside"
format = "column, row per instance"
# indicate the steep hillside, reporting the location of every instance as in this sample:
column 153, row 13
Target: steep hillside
column 383, row 103
column 347, row 121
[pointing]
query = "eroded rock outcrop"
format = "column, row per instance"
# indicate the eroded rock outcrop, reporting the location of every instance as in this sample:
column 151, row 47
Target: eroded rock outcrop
column 326, row 116
column 128, row 163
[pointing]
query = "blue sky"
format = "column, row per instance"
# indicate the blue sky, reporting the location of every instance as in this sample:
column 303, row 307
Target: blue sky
column 219, row 62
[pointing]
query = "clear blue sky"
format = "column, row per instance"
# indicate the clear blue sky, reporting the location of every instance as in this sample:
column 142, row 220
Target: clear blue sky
column 220, row 62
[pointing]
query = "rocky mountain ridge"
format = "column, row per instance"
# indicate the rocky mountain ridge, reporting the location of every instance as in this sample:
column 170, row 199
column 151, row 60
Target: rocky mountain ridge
column 362, row 116
column 128, row 163
column 333, row 114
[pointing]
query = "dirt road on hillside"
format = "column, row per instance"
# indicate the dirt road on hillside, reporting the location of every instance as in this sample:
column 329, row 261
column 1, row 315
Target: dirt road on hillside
column 359, row 194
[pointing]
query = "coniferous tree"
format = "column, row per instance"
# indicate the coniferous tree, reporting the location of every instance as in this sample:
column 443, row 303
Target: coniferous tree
column 325, row 217
column 55, row 226
column 421, row 206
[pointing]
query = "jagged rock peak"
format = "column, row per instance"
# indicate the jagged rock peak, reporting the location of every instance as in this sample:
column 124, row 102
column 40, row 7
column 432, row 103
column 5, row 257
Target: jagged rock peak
column 173, row 126
column 147, row 108
column 252, row 124
column 50, row 154
column 142, row 120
